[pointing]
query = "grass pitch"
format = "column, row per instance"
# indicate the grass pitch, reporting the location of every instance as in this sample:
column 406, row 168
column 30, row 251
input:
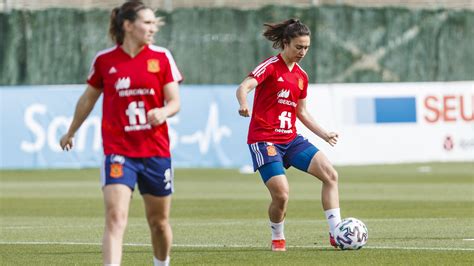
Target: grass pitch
column 416, row 215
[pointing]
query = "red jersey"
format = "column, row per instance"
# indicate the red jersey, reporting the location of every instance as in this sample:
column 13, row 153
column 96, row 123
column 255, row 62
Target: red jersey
column 276, row 97
column 131, row 87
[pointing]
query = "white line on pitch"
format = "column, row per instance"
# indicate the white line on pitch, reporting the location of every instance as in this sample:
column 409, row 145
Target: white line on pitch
column 469, row 239
column 228, row 246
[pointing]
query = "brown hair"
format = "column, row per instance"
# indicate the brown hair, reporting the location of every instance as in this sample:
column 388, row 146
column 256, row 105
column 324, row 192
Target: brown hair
column 128, row 11
column 283, row 32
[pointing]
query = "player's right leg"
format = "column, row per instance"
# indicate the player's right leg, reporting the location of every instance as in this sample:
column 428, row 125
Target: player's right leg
column 274, row 178
column 118, row 179
column 278, row 187
column 117, row 201
column 268, row 161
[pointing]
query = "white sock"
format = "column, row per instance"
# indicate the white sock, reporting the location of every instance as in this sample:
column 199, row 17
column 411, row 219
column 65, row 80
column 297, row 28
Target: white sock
column 157, row 262
column 278, row 230
column 112, row 264
column 334, row 217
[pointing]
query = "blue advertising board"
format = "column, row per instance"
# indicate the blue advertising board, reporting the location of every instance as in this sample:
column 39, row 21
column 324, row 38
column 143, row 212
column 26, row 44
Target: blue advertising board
column 207, row 132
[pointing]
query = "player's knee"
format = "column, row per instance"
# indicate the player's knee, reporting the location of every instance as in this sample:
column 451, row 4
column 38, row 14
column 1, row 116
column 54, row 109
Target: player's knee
column 332, row 176
column 116, row 220
column 281, row 198
column 158, row 226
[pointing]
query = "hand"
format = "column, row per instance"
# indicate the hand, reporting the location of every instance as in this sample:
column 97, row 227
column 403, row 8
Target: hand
column 244, row 111
column 66, row 142
column 156, row 116
column 331, row 138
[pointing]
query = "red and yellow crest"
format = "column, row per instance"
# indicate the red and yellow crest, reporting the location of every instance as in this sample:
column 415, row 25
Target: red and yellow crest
column 116, row 170
column 300, row 84
column 153, row 65
column 271, row 150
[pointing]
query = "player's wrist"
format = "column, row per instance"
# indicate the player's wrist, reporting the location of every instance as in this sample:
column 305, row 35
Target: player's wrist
column 70, row 134
column 165, row 112
column 327, row 136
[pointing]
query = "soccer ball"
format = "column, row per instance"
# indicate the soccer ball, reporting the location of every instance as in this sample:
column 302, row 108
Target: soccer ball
column 351, row 233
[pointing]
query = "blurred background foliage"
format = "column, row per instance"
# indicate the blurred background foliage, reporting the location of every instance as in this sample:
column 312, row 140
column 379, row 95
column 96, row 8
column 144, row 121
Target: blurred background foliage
column 222, row 45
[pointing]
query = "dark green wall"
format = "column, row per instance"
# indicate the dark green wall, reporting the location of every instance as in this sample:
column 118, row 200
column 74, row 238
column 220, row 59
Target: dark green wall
column 212, row 46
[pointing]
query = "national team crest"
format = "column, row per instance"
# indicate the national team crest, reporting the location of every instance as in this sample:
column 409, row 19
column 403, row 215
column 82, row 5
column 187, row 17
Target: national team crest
column 153, row 65
column 271, row 150
column 300, row 84
column 116, row 170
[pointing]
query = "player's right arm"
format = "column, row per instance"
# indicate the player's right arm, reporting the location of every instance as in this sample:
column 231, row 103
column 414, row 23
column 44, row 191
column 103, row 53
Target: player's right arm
column 84, row 106
column 244, row 89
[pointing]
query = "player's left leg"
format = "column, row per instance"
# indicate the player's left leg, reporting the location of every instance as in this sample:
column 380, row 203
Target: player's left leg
column 321, row 168
column 157, row 213
column 155, row 183
column 306, row 157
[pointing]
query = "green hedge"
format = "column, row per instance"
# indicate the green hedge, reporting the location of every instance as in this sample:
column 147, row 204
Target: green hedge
column 56, row 46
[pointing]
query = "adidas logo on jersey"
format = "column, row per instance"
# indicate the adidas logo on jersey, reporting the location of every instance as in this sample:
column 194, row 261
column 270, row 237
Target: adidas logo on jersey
column 284, row 93
column 280, row 79
column 112, row 70
column 122, row 83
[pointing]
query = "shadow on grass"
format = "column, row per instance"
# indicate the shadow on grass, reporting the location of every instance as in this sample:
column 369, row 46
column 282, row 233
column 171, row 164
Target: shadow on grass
column 249, row 249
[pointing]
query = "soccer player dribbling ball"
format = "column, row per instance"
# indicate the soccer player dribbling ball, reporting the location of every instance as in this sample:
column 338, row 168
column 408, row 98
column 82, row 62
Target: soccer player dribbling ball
column 139, row 83
column 280, row 97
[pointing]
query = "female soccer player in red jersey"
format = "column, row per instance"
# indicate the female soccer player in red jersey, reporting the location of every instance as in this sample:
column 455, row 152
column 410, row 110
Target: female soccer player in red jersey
column 139, row 83
column 280, row 97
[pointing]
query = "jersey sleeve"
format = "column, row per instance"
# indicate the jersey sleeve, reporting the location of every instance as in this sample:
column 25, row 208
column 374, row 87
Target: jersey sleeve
column 263, row 71
column 171, row 72
column 95, row 78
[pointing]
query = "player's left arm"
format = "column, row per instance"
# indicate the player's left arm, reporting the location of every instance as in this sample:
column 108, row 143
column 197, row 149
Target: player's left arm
column 157, row 116
column 307, row 119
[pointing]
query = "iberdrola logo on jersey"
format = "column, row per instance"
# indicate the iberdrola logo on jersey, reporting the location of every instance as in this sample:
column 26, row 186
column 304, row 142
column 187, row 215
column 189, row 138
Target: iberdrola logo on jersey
column 122, row 83
column 283, row 93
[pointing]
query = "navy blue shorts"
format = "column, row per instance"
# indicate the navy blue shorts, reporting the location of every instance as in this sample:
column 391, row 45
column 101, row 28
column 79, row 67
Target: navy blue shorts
column 265, row 152
column 153, row 175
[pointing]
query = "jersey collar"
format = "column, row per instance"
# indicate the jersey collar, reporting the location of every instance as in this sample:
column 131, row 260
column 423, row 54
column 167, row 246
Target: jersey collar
column 143, row 51
column 284, row 64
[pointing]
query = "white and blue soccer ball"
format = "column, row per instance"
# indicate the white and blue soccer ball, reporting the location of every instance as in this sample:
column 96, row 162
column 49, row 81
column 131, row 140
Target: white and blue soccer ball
column 351, row 233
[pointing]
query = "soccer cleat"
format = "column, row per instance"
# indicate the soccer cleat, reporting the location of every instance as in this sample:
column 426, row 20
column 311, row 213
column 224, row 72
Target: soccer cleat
column 332, row 241
column 279, row 245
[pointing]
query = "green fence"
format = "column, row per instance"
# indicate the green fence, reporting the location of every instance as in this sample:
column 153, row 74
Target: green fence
column 220, row 46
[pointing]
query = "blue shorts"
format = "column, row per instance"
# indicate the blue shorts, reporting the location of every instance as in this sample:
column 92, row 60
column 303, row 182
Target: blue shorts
column 154, row 175
column 297, row 153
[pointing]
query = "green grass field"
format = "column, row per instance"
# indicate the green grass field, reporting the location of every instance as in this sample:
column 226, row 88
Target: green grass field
column 55, row 217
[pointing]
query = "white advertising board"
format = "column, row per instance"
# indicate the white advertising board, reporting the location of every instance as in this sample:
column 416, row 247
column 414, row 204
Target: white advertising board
column 395, row 122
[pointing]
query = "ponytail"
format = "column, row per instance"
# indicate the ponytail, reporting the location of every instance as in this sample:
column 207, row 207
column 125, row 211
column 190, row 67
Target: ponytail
column 115, row 27
column 283, row 32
